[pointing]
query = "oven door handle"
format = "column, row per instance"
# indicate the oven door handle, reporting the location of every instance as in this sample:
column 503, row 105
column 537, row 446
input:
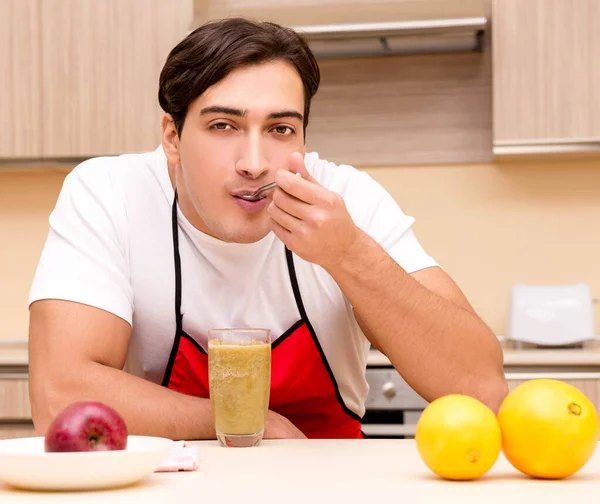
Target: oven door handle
column 389, row 429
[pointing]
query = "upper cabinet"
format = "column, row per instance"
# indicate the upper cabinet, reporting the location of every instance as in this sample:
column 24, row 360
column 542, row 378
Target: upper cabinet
column 546, row 76
column 424, row 98
column 324, row 12
column 20, row 80
column 79, row 78
column 101, row 62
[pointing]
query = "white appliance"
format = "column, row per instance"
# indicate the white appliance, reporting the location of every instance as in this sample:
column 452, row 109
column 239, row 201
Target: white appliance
column 551, row 315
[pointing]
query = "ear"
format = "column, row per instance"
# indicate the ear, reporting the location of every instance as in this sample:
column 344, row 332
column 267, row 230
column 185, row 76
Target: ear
column 170, row 139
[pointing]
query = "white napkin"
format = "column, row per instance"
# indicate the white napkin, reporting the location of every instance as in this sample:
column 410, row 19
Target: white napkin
column 181, row 458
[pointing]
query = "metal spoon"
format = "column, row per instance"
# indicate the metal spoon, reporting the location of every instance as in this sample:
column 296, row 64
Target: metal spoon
column 256, row 195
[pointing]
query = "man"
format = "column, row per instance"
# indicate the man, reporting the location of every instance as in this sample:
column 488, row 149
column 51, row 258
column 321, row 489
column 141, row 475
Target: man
column 147, row 252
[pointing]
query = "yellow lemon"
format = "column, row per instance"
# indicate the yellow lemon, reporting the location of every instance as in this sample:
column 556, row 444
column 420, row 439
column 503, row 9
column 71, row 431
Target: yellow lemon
column 458, row 437
column 549, row 428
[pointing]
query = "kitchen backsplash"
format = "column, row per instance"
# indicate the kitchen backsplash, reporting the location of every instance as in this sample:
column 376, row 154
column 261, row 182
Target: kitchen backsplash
column 489, row 226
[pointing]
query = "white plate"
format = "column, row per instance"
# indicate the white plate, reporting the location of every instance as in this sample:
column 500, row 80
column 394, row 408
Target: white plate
column 24, row 464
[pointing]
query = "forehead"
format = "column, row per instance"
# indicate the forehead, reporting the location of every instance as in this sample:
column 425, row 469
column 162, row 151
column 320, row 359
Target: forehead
column 261, row 87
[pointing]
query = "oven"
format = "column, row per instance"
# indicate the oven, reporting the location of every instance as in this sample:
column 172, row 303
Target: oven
column 392, row 406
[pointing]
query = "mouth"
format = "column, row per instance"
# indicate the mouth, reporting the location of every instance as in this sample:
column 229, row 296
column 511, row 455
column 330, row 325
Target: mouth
column 246, row 194
column 250, row 199
column 251, row 204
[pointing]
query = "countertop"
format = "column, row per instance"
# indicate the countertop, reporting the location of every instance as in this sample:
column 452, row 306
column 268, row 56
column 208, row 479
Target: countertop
column 13, row 357
column 328, row 471
column 14, row 353
column 534, row 357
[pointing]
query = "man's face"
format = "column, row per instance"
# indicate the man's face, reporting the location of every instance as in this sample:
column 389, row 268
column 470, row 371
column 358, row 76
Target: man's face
column 236, row 135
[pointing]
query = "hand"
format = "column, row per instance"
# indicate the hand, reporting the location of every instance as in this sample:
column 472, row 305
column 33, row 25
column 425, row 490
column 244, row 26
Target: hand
column 309, row 219
column 279, row 427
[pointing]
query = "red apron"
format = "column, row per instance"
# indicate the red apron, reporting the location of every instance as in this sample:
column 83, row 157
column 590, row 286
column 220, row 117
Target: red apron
column 303, row 388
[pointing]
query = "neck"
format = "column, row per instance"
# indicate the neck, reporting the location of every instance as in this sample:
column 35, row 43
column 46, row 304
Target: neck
column 183, row 199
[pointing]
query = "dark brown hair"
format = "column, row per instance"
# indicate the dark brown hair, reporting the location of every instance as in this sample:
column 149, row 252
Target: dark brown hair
column 212, row 51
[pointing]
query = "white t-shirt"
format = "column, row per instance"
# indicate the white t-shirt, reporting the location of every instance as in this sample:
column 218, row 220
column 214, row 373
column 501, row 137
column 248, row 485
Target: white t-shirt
column 110, row 246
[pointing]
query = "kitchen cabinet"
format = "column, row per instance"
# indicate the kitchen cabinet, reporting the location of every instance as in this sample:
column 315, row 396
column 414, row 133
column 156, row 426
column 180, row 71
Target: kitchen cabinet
column 13, row 430
column 387, row 111
column 20, row 80
column 321, row 12
column 101, row 63
column 546, row 76
column 15, row 409
column 14, row 397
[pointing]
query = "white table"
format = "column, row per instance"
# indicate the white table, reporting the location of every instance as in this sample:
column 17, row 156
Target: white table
column 329, row 471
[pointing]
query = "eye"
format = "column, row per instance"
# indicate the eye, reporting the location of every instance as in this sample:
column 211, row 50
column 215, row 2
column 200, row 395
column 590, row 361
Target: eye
column 221, row 126
column 284, row 130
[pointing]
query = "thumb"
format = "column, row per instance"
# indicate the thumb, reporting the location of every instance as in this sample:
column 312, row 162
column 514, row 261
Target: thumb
column 298, row 167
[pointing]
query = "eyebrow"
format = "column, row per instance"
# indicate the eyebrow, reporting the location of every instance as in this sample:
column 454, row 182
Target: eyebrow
column 286, row 113
column 218, row 109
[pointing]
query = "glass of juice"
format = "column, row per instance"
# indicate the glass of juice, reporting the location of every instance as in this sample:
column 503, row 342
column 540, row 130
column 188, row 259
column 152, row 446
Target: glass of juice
column 239, row 376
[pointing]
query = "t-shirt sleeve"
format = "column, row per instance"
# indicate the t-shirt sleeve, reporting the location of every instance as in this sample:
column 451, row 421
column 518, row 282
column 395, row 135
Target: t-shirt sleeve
column 387, row 224
column 85, row 258
column 374, row 211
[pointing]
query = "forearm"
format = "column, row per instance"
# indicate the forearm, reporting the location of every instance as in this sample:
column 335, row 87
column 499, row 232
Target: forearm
column 148, row 408
column 437, row 346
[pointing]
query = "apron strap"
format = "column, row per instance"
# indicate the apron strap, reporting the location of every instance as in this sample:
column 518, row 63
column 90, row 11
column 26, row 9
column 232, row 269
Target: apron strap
column 294, row 280
column 177, row 261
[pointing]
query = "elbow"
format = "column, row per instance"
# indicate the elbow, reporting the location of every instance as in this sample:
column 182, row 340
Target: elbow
column 47, row 396
column 493, row 392
column 493, row 387
column 43, row 410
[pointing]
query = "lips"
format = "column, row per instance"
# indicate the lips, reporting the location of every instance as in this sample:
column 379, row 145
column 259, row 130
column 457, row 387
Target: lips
column 252, row 206
column 244, row 192
column 262, row 196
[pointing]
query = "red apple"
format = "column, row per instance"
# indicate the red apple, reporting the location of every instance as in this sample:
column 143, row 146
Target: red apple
column 86, row 426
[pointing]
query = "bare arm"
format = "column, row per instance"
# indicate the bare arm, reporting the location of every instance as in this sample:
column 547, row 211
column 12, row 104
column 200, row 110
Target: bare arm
column 77, row 352
column 424, row 324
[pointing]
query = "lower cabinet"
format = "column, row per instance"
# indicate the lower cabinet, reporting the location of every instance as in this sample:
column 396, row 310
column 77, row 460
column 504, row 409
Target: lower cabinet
column 11, row 430
column 15, row 409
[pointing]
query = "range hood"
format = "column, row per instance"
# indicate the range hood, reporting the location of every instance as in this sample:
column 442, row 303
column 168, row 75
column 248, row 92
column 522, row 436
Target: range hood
column 350, row 28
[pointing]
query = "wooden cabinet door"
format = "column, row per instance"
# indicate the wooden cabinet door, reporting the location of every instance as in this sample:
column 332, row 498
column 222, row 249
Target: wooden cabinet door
column 15, row 408
column 101, row 62
column 595, row 67
column 546, row 74
column 14, row 398
column 20, row 80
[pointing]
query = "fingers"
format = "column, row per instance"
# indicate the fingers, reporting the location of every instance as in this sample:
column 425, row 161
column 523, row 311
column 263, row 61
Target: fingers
column 283, row 234
column 284, row 219
column 298, row 167
column 291, row 205
column 304, row 190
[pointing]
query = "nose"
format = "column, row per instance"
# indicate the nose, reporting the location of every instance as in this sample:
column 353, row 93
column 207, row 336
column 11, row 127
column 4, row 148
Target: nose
column 253, row 162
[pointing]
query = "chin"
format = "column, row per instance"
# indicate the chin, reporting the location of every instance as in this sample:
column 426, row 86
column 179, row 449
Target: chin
column 249, row 235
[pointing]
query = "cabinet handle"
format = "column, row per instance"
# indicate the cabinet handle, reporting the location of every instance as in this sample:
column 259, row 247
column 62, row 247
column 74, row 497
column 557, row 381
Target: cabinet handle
column 389, row 429
column 551, row 146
